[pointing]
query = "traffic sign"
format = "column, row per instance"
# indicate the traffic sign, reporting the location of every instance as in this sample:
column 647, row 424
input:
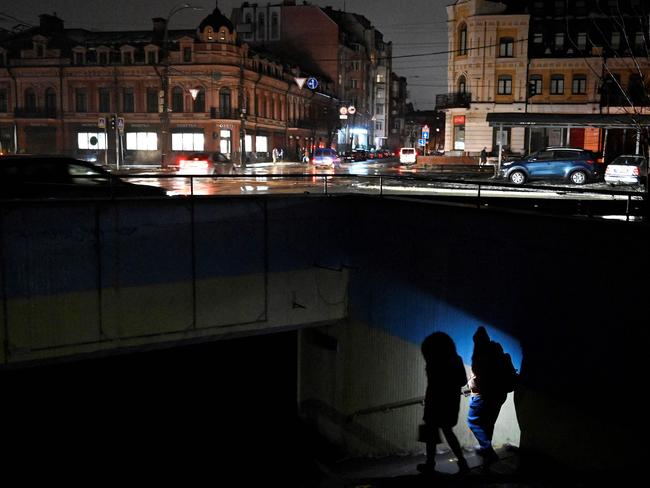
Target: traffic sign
column 300, row 81
column 425, row 135
column 352, row 110
column 422, row 142
column 312, row 83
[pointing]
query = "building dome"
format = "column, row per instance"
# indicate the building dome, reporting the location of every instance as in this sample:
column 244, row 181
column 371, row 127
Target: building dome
column 216, row 20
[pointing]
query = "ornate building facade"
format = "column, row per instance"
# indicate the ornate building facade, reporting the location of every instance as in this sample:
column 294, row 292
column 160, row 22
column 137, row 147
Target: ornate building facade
column 341, row 48
column 148, row 96
column 527, row 74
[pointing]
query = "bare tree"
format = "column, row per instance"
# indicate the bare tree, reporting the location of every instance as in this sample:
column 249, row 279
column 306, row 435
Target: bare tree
column 621, row 32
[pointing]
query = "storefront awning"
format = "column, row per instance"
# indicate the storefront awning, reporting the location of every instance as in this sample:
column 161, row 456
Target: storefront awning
column 601, row 121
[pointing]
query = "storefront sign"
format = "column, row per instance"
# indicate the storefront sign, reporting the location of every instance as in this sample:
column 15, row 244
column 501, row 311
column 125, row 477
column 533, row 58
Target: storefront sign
column 459, row 120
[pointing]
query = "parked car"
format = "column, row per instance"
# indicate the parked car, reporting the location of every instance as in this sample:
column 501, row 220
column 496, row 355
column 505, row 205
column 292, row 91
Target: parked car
column 360, row 155
column 627, row 169
column 408, row 155
column 575, row 165
column 355, row 156
column 203, row 163
column 325, row 156
column 379, row 154
column 64, row 177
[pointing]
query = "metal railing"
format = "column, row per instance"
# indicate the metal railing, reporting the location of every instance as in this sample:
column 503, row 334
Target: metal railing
column 387, row 407
column 453, row 100
column 629, row 205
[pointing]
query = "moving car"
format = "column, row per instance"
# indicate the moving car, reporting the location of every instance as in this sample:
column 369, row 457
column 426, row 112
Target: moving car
column 575, row 165
column 408, row 155
column 325, row 156
column 203, row 163
column 64, row 177
column 630, row 169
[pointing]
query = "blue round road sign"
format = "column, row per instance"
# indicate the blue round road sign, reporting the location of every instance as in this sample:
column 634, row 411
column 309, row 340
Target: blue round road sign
column 312, row 83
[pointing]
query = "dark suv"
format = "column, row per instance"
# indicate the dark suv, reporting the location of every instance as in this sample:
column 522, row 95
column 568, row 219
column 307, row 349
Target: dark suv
column 571, row 164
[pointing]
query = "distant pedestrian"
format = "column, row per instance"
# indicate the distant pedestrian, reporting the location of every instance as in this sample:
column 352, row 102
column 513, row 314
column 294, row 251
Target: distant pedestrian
column 483, row 157
column 275, row 154
column 281, row 154
column 305, row 156
column 445, row 377
column 490, row 382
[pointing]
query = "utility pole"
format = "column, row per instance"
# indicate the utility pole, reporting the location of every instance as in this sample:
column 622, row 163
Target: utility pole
column 242, row 112
column 164, row 114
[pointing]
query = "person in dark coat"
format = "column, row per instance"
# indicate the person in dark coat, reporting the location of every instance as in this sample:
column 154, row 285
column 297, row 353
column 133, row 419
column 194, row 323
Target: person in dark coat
column 483, row 157
column 445, row 378
column 488, row 394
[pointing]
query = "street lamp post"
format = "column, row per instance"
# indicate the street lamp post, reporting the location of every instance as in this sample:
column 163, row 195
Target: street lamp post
column 164, row 115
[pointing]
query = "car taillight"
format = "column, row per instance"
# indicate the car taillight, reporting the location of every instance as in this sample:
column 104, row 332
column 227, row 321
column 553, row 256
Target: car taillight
column 203, row 162
column 635, row 171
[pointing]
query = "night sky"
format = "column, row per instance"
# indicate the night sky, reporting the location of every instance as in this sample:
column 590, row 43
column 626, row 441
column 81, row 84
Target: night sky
column 414, row 27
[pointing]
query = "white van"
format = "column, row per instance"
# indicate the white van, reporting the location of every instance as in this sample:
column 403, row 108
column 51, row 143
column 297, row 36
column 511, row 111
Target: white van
column 407, row 155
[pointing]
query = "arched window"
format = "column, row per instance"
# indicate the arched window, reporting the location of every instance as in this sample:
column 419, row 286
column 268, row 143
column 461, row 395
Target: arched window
column 261, row 25
column 50, row 100
column 30, row 100
column 248, row 19
column 275, row 25
column 462, row 40
column 462, row 85
column 177, row 99
column 225, row 106
column 198, row 105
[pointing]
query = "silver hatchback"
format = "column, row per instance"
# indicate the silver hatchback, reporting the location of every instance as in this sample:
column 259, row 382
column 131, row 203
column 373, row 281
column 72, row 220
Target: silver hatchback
column 631, row 169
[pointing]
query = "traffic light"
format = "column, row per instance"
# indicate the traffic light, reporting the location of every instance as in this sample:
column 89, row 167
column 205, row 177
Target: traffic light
column 113, row 122
column 532, row 88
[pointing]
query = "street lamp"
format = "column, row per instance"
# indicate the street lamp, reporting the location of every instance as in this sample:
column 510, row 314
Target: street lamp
column 164, row 116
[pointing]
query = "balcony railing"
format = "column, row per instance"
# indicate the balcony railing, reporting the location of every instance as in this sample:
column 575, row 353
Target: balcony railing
column 453, row 100
column 36, row 113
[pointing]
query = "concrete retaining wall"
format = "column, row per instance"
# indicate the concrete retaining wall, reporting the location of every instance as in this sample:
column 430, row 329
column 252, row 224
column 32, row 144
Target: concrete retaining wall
column 546, row 288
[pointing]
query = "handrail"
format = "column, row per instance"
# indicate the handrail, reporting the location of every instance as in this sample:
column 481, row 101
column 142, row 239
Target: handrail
column 387, row 407
column 384, row 177
column 383, row 183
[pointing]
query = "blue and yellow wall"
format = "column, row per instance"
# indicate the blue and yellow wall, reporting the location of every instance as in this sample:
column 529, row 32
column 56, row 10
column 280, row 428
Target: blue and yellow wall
column 365, row 279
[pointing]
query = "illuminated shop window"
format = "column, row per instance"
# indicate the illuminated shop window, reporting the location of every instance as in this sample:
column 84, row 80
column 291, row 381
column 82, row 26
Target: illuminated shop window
column 141, row 141
column 188, row 141
column 91, row 140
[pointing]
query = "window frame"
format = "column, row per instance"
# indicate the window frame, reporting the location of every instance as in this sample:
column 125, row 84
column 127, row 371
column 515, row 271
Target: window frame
column 506, row 47
column 462, row 40
column 579, row 82
column 504, row 85
column 557, row 85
